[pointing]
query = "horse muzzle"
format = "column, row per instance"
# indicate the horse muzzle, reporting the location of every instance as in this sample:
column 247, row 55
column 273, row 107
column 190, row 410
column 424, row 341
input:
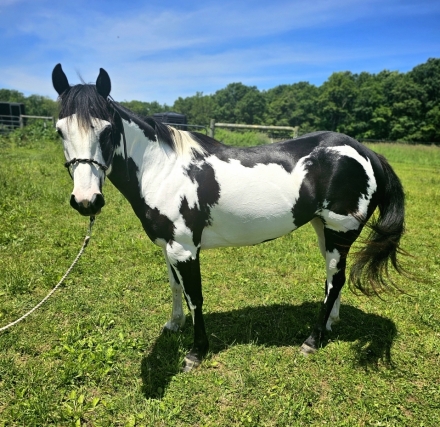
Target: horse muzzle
column 88, row 207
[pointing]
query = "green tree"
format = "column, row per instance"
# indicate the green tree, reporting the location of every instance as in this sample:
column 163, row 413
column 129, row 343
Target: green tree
column 8, row 95
column 251, row 107
column 199, row 109
column 142, row 108
column 37, row 105
column 336, row 102
column 427, row 77
column 231, row 104
column 293, row 105
column 404, row 98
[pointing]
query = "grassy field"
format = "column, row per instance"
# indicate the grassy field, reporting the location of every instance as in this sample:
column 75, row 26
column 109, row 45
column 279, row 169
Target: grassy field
column 95, row 355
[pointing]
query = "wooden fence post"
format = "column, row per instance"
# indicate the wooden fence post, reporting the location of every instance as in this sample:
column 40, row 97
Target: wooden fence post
column 212, row 128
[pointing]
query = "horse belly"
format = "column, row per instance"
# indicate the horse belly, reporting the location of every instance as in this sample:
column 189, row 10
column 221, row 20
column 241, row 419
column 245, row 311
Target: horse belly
column 232, row 230
column 255, row 204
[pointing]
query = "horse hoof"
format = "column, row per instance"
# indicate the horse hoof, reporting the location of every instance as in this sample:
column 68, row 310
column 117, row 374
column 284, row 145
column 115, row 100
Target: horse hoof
column 170, row 328
column 173, row 326
column 306, row 350
column 190, row 362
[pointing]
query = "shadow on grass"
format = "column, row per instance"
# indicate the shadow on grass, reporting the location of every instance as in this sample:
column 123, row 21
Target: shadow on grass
column 275, row 325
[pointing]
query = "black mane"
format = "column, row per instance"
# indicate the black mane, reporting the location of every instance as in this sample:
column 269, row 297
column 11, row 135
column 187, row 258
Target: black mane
column 85, row 101
column 152, row 128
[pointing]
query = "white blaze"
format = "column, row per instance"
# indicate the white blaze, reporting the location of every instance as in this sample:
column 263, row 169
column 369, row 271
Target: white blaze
column 80, row 143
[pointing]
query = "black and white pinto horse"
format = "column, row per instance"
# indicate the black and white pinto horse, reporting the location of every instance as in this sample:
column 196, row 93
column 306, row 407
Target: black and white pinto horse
column 191, row 192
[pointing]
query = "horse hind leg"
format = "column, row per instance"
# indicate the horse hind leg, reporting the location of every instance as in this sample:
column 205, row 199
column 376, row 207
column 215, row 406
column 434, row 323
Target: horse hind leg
column 177, row 320
column 318, row 225
column 337, row 245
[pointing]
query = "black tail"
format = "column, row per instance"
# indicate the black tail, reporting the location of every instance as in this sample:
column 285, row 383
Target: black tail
column 370, row 270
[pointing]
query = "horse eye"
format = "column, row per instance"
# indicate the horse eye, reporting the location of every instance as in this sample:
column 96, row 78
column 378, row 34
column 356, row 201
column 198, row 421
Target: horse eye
column 105, row 134
column 60, row 133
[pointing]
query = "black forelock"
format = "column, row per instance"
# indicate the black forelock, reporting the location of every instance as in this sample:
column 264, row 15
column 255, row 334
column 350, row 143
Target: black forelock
column 85, row 101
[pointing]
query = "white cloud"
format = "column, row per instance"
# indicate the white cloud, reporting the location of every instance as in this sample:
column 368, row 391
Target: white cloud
column 155, row 52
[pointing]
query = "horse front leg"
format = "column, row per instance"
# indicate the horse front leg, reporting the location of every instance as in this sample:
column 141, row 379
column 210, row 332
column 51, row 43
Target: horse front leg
column 185, row 266
column 177, row 320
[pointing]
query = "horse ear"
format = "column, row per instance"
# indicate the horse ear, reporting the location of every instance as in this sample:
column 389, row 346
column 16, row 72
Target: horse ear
column 59, row 80
column 103, row 84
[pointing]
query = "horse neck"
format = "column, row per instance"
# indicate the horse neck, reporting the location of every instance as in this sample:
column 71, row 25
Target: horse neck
column 144, row 156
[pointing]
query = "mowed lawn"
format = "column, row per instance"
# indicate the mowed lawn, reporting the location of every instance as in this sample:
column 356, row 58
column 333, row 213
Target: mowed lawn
column 95, row 354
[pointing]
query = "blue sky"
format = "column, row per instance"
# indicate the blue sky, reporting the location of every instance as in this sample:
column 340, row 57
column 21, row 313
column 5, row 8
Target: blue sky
column 160, row 50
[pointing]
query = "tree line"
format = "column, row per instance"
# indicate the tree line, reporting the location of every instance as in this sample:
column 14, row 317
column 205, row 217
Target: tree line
column 389, row 105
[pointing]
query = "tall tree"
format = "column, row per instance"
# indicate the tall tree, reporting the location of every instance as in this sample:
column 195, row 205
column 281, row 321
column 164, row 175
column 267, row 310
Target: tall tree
column 230, row 105
column 145, row 108
column 427, row 76
column 199, row 109
column 336, row 101
column 293, row 105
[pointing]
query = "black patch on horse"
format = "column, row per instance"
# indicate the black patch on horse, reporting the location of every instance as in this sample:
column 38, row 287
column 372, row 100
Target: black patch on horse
column 285, row 154
column 208, row 194
column 329, row 174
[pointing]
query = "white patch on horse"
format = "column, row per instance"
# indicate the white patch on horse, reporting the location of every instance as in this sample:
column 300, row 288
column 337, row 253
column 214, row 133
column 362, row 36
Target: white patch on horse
column 332, row 259
column 175, row 253
column 163, row 183
column 334, row 314
column 318, row 225
column 177, row 320
column 258, row 209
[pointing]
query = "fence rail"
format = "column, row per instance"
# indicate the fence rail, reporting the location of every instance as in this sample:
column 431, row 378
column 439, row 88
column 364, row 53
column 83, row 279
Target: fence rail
column 214, row 125
column 8, row 122
column 45, row 118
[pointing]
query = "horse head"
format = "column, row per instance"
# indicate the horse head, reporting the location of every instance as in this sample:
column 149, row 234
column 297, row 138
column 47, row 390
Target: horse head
column 90, row 135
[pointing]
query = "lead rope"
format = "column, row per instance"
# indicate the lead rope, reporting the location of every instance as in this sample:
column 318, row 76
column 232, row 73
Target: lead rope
column 85, row 243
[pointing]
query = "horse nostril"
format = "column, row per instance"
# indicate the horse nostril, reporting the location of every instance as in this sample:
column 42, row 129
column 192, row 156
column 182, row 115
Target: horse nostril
column 97, row 201
column 73, row 202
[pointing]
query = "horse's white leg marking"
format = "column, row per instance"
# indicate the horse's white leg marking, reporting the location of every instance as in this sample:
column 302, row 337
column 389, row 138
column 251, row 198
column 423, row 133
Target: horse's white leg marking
column 177, row 320
column 332, row 260
column 318, row 225
column 177, row 252
column 334, row 315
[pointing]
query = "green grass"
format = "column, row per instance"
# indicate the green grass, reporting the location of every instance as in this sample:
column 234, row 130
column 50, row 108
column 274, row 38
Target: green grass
column 94, row 354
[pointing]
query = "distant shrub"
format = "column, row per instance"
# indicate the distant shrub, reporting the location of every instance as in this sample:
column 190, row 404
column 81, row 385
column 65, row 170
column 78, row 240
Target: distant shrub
column 35, row 133
column 241, row 139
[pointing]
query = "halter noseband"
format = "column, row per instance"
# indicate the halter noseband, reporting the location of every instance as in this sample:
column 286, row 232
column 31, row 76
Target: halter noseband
column 89, row 161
